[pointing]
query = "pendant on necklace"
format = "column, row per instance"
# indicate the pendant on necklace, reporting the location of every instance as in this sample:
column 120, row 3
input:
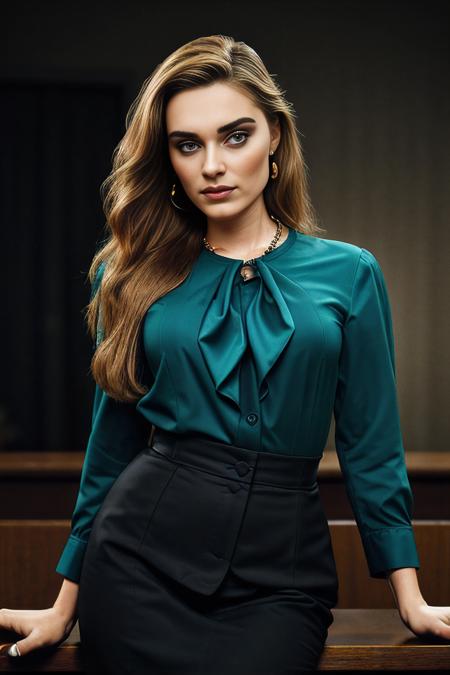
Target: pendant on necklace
column 247, row 272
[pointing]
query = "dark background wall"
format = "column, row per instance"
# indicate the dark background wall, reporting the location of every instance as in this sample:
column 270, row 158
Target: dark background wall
column 369, row 81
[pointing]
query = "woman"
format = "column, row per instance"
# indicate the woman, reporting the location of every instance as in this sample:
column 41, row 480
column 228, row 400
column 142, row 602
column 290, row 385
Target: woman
column 227, row 332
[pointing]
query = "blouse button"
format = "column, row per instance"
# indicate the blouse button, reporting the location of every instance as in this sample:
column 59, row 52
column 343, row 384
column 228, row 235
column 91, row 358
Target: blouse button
column 252, row 418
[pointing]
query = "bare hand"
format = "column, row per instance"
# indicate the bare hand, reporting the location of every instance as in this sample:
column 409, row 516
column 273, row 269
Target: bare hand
column 426, row 620
column 41, row 627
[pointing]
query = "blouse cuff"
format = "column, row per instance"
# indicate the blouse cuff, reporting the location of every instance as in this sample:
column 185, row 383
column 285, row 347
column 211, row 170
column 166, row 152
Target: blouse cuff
column 390, row 548
column 71, row 560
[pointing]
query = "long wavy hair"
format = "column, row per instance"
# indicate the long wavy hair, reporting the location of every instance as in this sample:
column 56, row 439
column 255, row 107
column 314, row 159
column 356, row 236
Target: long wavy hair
column 151, row 246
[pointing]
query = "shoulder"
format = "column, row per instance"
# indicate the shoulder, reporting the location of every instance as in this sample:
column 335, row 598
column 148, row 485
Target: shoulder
column 336, row 249
column 345, row 261
column 321, row 246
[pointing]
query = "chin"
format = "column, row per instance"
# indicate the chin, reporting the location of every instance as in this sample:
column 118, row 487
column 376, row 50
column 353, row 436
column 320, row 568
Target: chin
column 223, row 213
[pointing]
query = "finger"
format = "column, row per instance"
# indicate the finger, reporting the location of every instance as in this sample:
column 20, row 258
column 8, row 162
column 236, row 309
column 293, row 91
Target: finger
column 444, row 615
column 28, row 644
column 444, row 631
column 4, row 648
column 8, row 619
column 14, row 650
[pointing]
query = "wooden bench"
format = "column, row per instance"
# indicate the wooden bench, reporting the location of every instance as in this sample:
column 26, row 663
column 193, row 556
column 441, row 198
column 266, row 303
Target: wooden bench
column 358, row 639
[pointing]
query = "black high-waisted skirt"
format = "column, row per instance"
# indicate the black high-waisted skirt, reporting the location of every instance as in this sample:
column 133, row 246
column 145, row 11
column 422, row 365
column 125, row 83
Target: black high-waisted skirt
column 208, row 559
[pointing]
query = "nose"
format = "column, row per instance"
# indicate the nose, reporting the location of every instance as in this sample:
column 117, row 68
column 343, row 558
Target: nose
column 213, row 163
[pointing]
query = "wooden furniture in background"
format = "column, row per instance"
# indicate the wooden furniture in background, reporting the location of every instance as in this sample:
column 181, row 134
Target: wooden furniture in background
column 45, row 484
column 30, row 549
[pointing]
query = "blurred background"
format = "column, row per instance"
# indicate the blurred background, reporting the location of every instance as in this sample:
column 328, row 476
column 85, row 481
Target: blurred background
column 370, row 84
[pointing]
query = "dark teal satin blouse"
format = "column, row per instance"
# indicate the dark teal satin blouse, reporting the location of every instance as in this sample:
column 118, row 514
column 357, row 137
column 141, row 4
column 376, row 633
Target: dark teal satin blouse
column 264, row 363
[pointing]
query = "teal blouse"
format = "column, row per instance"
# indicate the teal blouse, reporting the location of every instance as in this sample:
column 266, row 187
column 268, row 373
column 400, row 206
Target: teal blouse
column 264, row 363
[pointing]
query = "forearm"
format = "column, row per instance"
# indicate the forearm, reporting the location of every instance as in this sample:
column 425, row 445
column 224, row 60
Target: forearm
column 67, row 600
column 405, row 589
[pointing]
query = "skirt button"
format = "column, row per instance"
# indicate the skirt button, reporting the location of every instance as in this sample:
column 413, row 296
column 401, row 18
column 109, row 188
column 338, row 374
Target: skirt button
column 242, row 468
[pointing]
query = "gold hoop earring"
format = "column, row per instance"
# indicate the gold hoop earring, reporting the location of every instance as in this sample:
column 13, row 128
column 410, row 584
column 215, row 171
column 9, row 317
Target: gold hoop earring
column 171, row 199
column 274, row 173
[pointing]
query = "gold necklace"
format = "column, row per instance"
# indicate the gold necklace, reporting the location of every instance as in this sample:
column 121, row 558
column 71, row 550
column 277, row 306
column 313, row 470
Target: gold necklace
column 251, row 261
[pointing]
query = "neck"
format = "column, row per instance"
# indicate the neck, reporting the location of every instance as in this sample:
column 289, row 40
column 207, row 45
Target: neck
column 248, row 241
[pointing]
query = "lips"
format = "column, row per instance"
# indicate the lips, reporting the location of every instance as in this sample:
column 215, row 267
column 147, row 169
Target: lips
column 218, row 188
column 215, row 196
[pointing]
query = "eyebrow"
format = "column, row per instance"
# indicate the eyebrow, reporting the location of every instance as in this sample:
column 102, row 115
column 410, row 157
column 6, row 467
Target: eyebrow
column 220, row 130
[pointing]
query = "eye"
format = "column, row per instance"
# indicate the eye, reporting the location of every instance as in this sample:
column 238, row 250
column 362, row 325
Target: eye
column 180, row 145
column 244, row 134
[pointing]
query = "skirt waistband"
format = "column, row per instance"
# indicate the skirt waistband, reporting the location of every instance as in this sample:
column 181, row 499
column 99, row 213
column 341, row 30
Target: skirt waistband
column 236, row 462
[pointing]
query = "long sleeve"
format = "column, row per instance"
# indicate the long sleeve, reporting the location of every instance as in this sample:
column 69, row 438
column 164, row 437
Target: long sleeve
column 118, row 433
column 368, row 436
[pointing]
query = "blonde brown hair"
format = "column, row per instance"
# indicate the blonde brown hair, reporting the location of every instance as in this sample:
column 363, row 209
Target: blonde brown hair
column 151, row 246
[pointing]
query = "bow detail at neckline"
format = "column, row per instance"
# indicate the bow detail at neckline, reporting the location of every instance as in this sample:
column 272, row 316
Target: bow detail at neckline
column 227, row 330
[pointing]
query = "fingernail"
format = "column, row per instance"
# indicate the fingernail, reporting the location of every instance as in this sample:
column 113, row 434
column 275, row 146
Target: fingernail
column 14, row 650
